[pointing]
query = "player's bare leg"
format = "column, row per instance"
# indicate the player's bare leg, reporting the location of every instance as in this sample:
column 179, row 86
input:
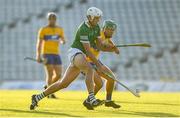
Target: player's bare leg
column 83, row 65
column 98, row 83
column 57, row 76
column 57, row 71
column 49, row 74
column 109, row 88
column 71, row 73
column 49, row 69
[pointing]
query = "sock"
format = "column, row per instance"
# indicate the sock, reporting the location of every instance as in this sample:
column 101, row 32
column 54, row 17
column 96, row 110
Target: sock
column 40, row 96
column 91, row 97
column 108, row 97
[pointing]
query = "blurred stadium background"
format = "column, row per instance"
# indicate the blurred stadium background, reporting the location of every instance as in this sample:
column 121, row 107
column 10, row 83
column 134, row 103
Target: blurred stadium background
column 153, row 21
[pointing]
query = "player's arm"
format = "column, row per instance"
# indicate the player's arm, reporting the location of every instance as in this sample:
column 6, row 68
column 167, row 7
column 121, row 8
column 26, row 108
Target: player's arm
column 38, row 49
column 39, row 45
column 90, row 55
column 116, row 49
column 62, row 37
column 84, row 39
column 105, row 47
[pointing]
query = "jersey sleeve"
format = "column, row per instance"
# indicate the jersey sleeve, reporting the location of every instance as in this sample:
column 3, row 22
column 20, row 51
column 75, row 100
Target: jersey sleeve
column 41, row 34
column 84, row 35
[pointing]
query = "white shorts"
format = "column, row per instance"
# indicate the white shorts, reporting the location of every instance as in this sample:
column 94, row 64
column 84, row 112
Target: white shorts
column 72, row 52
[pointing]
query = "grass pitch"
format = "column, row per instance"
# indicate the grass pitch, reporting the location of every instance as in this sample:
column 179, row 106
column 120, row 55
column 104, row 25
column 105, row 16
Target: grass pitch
column 15, row 103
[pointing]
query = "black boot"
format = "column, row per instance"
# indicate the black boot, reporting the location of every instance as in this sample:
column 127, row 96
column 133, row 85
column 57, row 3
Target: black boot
column 112, row 104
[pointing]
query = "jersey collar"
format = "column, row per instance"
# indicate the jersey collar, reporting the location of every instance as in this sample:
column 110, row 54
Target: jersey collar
column 86, row 22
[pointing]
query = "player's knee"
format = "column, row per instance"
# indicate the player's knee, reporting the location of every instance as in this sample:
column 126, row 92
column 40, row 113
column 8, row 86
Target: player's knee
column 85, row 66
column 111, row 81
column 58, row 76
column 100, row 85
column 61, row 85
column 49, row 79
column 65, row 85
column 89, row 69
column 50, row 75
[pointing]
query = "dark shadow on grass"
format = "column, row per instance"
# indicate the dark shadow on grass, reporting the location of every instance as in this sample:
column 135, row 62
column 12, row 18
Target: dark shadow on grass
column 40, row 112
column 151, row 103
column 118, row 112
column 156, row 114
column 144, row 114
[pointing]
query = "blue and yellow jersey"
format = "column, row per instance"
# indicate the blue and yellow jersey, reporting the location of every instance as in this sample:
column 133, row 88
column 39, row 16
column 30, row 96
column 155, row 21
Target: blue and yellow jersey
column 50, row 37
column 96, row 52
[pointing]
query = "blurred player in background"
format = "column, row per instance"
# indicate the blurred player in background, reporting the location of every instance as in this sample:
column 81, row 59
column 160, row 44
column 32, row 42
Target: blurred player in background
column 109, row 27
column 87, row 34
column 49, row 39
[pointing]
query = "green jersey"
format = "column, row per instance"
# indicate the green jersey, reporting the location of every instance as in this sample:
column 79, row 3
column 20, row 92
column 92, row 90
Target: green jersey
column 86, row 34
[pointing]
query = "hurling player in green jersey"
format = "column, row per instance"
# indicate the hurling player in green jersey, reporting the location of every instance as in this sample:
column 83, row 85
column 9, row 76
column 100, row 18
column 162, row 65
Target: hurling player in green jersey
column 86, row 36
